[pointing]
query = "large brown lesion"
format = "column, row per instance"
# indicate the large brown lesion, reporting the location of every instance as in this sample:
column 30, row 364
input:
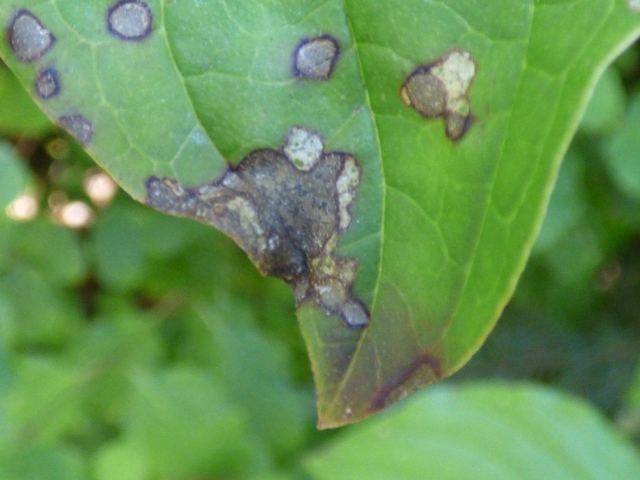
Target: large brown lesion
column 287, row 209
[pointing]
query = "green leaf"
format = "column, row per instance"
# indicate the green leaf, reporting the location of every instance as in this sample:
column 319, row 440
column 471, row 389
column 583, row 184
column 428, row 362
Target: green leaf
column 257, row 374
column 38, row 463
column 482, row 431
column 19, row 115
column 124, row 237
column 51, row 249
column 567, row 205
column 119, row 460
column 44, row 404
column 43, row 315
column 130, row 238
column 13, row 175
column 621, row 152
column 119, row 341
column 7, row 374
column 606, row 108
column 439, row 230
column 183, row 423
column 633, row 395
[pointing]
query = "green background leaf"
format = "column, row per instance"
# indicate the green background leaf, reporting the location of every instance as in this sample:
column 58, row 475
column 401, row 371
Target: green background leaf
column 13, row 175
column 441, row 230
column 486, row 430
column 622, row 151
column 18, row 114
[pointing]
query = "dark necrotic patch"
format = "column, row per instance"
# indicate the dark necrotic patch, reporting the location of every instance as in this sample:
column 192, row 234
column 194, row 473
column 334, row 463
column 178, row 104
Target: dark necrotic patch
column 78, row 126
column 28, row 38
column 47, row 84
column 130, row 20
column 287, row 209
column 425, row 93
column 316, row 57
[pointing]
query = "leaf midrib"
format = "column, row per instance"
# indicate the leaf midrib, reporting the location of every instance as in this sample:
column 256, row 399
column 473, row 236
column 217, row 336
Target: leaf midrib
column 374, row 301
column 184, row 85
column 457, row 302
column 377, row 138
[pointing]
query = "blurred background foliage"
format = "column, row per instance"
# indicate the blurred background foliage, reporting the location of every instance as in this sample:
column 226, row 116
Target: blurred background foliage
column 134, row 345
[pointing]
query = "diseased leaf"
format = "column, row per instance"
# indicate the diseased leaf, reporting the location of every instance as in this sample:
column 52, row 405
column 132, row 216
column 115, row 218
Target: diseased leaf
column 443, row 124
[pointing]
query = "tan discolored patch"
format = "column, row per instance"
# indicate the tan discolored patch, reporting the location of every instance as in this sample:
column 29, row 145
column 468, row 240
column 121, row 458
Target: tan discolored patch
column 316, row 57
column 303, row 147
column 441, row 89
column 28, row 38
column 130, row 20
column 287, row 209
column 348, row 181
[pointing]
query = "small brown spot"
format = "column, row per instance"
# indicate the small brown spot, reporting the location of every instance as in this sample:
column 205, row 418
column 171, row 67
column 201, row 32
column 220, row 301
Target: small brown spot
column 130, row 20
column 47, row 84
column 316, row 57
column 287, row 209
column 79, row 127
column 441, row 89
column 28, row 38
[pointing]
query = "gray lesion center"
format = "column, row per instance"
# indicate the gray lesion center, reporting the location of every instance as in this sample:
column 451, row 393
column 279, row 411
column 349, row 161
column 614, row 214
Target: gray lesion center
column 287, row 209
